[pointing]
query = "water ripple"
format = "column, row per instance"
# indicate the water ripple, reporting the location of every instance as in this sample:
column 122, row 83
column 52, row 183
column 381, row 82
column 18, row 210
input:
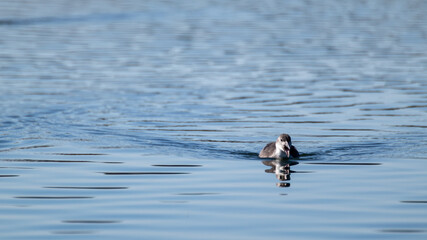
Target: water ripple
column 46, row 161
column 176, row 165
column 53, row 197
column 413, row 201
column 75, row 232
column 91, row 221
column 68, row 19
column 87, row 188
column 402, row 230
column 345, row 163
column 144, row 173
column 154, row 112
column 8, row 175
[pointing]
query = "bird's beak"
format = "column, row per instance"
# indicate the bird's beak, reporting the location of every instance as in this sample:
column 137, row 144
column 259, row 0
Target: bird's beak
column 287, row 149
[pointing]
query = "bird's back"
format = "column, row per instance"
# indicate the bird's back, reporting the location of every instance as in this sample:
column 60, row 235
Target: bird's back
column 268, row 151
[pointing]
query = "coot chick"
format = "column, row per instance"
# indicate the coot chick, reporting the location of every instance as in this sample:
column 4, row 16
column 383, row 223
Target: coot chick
column 281, row 149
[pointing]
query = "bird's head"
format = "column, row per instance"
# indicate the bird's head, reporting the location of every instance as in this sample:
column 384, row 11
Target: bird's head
column 284, row 143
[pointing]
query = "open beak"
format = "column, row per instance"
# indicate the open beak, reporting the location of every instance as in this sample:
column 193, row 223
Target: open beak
column 287, row 152
column 287, row 149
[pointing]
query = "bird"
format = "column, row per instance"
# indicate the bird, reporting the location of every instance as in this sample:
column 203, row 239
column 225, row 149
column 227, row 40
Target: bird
column 281, row 149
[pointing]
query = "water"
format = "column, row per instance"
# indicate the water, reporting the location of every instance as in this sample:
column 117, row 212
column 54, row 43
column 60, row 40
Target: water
column 143, row 119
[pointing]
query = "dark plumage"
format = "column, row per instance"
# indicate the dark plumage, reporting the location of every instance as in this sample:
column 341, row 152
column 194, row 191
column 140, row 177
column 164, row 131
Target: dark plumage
column 281, row 149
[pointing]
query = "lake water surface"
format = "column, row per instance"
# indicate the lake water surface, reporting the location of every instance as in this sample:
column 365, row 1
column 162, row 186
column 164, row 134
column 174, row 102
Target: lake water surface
column 144, row 119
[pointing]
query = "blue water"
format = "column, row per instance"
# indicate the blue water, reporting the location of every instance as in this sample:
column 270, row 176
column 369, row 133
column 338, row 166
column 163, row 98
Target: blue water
column 144, row 119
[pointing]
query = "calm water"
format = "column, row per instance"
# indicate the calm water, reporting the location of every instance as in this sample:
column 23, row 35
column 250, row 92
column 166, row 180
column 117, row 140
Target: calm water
column 143, row 119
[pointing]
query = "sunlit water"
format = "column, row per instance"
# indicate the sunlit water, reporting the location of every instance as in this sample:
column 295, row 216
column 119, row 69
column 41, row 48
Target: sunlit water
column 143, row 119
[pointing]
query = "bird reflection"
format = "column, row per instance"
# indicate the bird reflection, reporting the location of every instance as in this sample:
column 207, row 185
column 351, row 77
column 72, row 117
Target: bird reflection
column 282, row 169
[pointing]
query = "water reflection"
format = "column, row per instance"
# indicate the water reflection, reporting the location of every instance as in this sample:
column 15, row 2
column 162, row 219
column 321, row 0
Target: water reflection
column 282, row 169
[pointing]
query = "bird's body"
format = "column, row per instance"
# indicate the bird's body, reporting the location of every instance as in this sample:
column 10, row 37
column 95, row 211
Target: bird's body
column 281, row 149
